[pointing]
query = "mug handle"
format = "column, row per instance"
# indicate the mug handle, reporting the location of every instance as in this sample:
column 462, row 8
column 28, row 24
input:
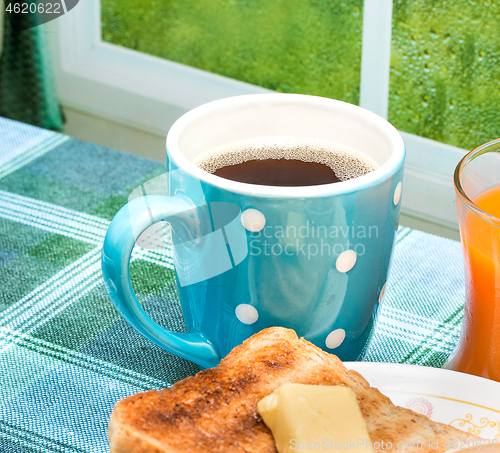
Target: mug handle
column 128, row 224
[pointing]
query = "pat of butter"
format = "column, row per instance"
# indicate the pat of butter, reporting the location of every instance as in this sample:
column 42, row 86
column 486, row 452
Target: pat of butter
column 315, row 417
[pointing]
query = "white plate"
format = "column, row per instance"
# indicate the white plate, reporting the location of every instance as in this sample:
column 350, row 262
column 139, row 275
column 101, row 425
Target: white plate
column 466, row 402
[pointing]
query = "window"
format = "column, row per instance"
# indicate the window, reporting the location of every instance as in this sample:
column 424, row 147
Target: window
column 445, row 70
column 293, row 46
column 440, row 91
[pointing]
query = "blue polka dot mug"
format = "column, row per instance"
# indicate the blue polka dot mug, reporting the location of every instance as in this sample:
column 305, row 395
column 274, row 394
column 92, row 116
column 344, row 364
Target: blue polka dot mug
column 312, row 258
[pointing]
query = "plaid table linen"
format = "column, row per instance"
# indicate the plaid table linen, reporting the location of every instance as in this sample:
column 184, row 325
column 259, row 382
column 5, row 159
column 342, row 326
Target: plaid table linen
column 66, row 355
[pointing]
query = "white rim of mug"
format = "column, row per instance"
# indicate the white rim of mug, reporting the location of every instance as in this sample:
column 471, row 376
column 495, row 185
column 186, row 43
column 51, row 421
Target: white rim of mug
column 386, row 170
column 464, row 198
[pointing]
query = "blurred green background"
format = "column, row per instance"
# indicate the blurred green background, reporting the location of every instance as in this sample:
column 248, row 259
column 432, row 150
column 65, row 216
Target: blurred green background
column 445, row 61
column 445, row 70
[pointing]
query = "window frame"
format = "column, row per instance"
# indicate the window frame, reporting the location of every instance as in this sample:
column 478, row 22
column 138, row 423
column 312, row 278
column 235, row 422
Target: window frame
column 149, row 93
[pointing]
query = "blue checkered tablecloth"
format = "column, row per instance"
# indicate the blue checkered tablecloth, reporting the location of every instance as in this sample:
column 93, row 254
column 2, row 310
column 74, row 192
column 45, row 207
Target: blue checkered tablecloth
column 66, row 355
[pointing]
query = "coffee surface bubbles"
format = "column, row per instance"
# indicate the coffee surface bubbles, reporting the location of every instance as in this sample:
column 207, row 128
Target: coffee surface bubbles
column 286, row 162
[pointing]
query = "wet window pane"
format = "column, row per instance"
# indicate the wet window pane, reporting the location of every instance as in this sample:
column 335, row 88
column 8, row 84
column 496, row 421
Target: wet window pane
column 298, row 46
column 445, row 70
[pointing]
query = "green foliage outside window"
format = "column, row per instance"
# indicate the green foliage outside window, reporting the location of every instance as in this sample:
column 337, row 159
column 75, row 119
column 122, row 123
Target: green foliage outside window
column 445, row 70
column 293, row 46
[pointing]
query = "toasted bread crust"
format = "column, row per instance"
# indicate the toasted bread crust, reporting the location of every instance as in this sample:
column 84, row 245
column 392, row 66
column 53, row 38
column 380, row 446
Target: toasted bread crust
column 216, row 410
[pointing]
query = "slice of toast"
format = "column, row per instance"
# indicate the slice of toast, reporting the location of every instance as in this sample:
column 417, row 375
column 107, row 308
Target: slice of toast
column 216, row 410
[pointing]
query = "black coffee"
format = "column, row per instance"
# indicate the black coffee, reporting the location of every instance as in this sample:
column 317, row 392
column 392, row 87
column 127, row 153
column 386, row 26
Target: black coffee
column 279, row 172
column 286, row 162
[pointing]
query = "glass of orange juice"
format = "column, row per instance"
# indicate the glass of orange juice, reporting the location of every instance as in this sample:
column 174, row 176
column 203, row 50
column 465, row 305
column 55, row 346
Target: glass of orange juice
column 477, row 185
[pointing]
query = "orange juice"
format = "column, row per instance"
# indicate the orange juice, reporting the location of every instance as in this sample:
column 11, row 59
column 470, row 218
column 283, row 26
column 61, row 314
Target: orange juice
column 479, row 349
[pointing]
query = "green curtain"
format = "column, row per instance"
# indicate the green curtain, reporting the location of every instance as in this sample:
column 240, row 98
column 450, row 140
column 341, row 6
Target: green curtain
column 27, row 88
